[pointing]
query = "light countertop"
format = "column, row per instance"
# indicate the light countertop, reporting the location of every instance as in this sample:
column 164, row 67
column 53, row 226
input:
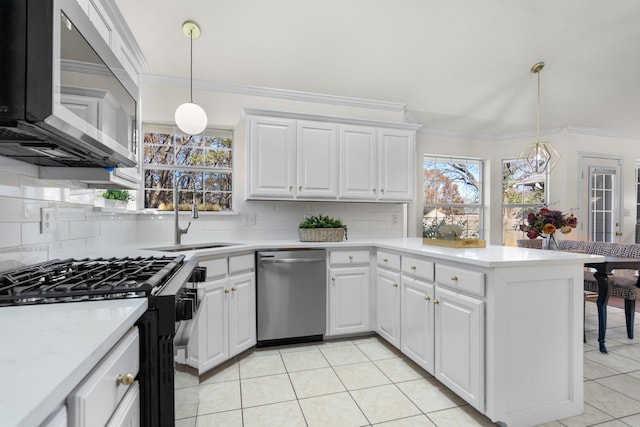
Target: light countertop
column 47, row 349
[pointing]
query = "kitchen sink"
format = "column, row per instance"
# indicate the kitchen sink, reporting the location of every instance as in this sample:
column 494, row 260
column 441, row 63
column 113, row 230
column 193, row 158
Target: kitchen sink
column 182, row 248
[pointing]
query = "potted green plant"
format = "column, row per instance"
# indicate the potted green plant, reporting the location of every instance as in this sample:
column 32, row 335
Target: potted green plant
column 322, row 228
column 116, row 198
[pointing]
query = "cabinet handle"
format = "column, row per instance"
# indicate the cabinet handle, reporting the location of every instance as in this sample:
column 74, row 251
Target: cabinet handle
column 454, row 278
column 385, row 260
column 413, row 267
column 126, row 379
column 435, row 301
column 226, row 291
column 395, row 285
column 233, row 289
column 427, row 298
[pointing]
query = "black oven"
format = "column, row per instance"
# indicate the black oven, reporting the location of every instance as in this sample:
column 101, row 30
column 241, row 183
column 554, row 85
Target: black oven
column 169, row 284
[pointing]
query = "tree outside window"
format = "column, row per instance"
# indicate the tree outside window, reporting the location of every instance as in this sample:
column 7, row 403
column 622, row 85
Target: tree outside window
column 523, row 191
column 198, row 167
column 452, row 195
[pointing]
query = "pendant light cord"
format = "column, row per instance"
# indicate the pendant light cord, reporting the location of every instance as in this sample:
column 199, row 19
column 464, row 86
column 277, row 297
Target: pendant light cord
column 191, row 71
column 538, row 125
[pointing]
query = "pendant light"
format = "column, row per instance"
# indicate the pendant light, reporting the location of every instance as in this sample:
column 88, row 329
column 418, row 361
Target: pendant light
column 190, row 117
column 540, row 156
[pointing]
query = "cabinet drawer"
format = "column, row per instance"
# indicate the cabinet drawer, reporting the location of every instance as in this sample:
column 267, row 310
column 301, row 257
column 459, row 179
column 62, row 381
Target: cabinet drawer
column 418, row 267
column 460, row 279
column 388, row 260
column 359, row 256
column 93, row 402
column 241, row 263
column 215, row 268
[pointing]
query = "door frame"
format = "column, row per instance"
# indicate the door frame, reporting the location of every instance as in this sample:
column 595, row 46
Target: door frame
column 583, row 211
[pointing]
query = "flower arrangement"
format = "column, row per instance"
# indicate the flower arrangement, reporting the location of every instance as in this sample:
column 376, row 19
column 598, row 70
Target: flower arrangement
column 546, row 222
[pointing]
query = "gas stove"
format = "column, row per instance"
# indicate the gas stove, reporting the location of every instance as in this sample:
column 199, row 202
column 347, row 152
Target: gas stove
column 168, row 283
column 87, row 279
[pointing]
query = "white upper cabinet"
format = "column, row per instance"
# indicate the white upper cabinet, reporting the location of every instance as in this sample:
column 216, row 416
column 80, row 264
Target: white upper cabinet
column 301, row 156
column 317, row 145
column 272, row 154
column 358, row 162
column 397, row 164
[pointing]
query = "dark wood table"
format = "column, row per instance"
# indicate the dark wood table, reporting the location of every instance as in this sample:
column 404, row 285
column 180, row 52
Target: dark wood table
column 603, row 269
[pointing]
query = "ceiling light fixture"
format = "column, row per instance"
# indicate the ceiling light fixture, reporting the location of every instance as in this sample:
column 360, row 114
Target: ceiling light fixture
column 190, row 117
column 540, row 156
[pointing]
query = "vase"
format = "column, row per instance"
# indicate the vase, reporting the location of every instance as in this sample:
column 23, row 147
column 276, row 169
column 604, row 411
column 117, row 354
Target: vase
column 549, row 243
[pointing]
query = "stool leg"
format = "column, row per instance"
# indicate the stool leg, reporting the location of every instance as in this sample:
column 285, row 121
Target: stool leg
column 629, row 314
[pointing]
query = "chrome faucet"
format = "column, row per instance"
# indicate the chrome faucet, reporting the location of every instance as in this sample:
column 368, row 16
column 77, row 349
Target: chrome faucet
column 194, row 214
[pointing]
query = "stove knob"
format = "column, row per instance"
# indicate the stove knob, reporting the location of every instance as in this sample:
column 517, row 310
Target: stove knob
column 199, row 274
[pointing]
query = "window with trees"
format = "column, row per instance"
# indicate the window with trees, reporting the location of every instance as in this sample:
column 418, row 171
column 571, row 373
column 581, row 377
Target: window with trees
column 523, row 192
column 452, row 195
column 199, row 168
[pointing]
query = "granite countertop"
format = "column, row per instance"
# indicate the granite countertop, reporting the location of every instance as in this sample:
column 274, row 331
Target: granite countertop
column 47, row 349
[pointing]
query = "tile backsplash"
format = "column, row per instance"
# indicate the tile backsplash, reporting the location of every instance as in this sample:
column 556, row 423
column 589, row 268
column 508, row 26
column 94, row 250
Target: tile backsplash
column 79, row 229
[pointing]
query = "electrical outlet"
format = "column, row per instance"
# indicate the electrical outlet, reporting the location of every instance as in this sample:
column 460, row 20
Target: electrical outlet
column 46, row 220
column 394, row 219
column 249, row 219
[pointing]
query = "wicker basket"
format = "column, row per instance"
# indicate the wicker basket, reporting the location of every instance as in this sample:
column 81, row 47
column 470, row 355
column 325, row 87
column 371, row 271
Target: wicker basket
column 321, row 234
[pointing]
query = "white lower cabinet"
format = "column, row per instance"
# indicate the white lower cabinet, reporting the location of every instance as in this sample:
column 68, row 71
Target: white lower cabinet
column 417, row 322
column 459, row 344
column 349, row 300
column 225, row 324
column 388, row 306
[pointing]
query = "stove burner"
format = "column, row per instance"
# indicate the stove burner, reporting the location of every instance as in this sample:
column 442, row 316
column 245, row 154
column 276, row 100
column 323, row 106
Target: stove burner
column 86, row 279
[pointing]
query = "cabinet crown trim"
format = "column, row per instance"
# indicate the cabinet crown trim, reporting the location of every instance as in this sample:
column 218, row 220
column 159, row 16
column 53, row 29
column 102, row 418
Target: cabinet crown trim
column 329, row 119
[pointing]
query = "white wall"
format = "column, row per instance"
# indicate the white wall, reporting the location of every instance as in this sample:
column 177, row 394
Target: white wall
column 563, row 180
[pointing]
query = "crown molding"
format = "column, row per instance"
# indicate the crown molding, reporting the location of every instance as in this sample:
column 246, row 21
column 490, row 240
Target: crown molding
column 273, row 93
column 582, row 130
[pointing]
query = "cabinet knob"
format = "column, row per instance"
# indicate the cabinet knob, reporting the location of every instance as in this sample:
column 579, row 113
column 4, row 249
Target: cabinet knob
column 350, row 258
column 435, row 301
column 226, row 291
column 427, row 298
column 395, row 285
column 454, row 278
column 413, row 267
column 382, row 190
column 300, row 188
column 290, row 187
column 233, row 289
column 385, row 260
column 333, row 279
column 374, row 190
column 126, row 379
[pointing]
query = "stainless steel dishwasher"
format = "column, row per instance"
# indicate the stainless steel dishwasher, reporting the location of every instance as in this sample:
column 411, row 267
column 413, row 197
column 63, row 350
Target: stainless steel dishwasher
column 292, row 296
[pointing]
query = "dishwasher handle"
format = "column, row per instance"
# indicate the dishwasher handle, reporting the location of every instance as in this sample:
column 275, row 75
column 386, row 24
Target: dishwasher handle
column 289, row 260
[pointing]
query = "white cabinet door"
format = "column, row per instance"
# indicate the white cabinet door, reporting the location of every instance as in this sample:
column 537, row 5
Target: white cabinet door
column 272, row 162
column 128, row 412
column 242, row 312
column 317, row 154
column 348, row 300
column 388, row 306
column 358, row 162
column 397, row 164
column 417, row 321
column 210, row 347
column 459, row 346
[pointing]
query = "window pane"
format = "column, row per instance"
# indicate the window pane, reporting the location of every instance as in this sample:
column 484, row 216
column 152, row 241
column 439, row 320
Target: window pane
column 452, row 189
column 199, row 166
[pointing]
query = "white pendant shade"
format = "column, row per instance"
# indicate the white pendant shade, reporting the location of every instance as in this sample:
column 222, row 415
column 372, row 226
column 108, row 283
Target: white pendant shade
column 191, row 118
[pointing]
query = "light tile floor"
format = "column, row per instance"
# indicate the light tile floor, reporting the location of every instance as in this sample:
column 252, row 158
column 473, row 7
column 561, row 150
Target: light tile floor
column 367, row 382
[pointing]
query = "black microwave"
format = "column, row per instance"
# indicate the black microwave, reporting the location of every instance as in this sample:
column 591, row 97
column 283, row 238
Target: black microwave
column 65, row 97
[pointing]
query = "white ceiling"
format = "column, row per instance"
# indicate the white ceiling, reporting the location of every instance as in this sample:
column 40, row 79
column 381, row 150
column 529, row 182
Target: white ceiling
column 458, row 65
